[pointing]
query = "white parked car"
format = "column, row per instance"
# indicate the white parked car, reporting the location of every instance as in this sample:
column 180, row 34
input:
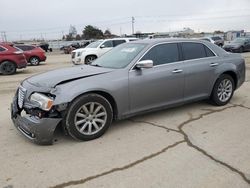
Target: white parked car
column 96, row 49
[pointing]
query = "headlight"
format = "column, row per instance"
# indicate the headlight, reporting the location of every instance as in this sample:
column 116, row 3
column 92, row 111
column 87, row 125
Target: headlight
column 79, row 54
column 45, row 103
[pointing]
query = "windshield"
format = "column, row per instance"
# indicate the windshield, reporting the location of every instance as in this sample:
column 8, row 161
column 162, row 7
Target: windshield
column 94, row 44
column 238, row 40
column 120, row 56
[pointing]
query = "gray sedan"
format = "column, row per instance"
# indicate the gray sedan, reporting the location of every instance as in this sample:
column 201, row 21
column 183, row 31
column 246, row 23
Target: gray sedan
column 132, row 78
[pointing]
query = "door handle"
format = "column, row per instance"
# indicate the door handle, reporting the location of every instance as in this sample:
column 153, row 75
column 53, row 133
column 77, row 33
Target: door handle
column 177, row 71
column 214, row 64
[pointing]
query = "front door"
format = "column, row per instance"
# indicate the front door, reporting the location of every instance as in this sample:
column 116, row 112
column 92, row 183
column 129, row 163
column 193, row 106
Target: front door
column 158, row 86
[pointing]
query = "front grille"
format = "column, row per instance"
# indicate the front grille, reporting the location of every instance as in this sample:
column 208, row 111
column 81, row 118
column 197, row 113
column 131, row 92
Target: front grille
column 21, row 96
column 73, row 55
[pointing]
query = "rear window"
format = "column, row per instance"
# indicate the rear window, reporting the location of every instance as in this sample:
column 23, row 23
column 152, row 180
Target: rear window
column 195, row 51
column 25, row 47
column 216, row 38
column 118, row 42
column 2, row 49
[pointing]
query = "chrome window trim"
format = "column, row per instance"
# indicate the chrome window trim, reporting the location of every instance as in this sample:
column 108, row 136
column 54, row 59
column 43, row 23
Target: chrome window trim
column 176, row 42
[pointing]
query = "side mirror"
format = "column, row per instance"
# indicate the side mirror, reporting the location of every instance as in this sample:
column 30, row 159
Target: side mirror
column 102, row 46
column 144, row 64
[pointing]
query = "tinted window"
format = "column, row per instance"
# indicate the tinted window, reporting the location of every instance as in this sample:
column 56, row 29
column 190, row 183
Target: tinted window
column 30, row 47
column 208, row 52
column 107, row 44
column 193, row 50
column 2, row 49
column 117, row 42
column 216, row 38
column 25, row 48
column 163, row 53
column 21, row 47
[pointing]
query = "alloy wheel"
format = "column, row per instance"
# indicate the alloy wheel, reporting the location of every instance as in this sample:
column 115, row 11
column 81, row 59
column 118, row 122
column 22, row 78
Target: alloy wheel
column 225, row 90
column 90, row 118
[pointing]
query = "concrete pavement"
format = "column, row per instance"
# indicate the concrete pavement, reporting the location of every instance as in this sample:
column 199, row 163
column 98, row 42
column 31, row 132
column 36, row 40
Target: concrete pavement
column 195, row 145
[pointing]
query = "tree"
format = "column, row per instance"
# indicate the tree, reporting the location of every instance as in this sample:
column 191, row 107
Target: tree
column 107, row 32
column 69, row 37
column 78, row 37
column 72, row 31
column 91, row 32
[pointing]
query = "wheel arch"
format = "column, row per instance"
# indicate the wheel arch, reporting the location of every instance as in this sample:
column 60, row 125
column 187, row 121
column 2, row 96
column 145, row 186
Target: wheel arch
column 9, row 61
column 90, row 55
column 233, row 75
column 107, row 96
column 34, row 56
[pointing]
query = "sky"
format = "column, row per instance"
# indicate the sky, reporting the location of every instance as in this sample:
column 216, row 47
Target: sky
column 51, row 19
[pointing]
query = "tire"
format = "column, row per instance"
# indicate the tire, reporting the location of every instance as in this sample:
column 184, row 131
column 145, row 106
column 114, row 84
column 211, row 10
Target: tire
column 223, row 90
column 84, row 121
column 241, row 49
column 7, row 68
column 89, row 59
column 35, row 61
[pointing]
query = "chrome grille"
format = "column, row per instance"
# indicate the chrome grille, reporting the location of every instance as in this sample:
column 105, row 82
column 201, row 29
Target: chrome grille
column 21, row 96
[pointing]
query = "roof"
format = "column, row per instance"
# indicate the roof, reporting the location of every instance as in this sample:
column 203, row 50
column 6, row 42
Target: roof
column 156, row 41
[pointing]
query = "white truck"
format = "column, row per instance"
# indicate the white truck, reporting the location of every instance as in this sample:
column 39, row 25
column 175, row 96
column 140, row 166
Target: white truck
column 96, row 49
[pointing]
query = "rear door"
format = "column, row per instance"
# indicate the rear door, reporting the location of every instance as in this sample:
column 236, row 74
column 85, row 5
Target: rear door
column 160, row 85
column 199, row 66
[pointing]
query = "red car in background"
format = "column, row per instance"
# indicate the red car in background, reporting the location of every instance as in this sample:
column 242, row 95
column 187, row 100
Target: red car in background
column 11, row 59
column 34, row 54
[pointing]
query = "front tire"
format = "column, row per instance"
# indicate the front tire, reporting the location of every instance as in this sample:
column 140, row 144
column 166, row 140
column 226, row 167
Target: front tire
column 7, row 68
column 89, row 117
column 34, row 61
column 223, row 90
column 90, row 59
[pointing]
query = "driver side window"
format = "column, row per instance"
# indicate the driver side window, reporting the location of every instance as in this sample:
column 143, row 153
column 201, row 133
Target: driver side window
column 163, row 54
column 107, row 44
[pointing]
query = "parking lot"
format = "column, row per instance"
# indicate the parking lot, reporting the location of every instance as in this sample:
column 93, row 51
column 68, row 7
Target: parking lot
column 195, row 145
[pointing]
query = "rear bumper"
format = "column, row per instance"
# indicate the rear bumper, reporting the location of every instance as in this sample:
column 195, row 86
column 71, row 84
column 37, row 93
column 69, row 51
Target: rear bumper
column 43, row 58
column 22, row 64
column 39, row 131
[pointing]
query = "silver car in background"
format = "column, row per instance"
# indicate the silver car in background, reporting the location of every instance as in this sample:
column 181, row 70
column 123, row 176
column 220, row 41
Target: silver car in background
column 131, row 79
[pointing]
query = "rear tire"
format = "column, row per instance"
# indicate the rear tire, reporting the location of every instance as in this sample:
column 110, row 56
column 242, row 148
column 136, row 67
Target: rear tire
column 34, row 61
column 241, row 50
column 7, row 68
column 223, row 90
column 88, row 117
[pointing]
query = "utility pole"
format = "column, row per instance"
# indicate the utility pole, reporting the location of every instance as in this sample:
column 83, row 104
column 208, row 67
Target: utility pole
column 3, row 36
column 133, row 21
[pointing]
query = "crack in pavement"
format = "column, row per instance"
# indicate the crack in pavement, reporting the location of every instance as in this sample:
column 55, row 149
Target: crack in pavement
column 190, row 144
column 155, row 125
column 82, row 181
column 186, row 140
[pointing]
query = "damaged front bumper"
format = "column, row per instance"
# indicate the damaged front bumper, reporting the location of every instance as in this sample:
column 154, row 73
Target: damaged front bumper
column 38, row 130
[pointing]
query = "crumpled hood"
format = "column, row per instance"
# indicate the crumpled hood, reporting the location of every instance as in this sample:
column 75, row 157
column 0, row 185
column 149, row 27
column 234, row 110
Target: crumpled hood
column 52, row 78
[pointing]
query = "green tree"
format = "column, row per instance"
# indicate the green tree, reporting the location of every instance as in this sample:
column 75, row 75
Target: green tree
column 91, row 32
column 78, row 37
column 107, row 32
